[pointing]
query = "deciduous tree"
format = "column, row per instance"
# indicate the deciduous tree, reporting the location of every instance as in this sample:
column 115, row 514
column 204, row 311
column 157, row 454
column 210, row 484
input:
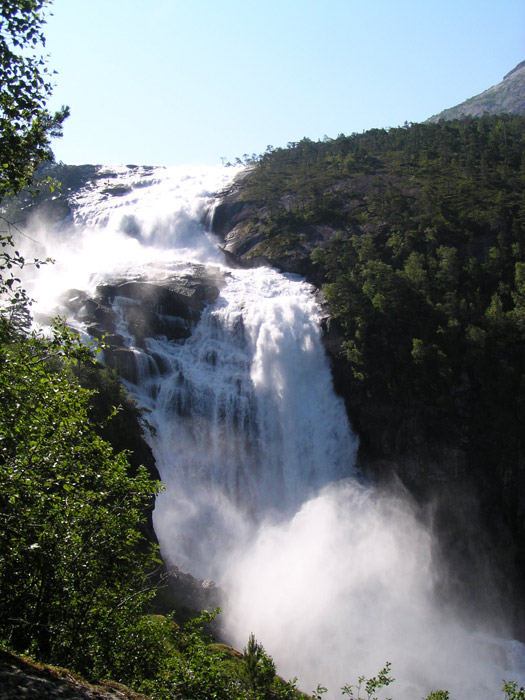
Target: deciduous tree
column 26, row 124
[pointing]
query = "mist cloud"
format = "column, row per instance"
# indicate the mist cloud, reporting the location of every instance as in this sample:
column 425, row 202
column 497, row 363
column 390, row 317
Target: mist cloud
column 347, row 584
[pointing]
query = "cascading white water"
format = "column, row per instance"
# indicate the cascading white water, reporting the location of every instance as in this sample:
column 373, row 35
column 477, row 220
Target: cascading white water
column 248, row 426
column 257, row 456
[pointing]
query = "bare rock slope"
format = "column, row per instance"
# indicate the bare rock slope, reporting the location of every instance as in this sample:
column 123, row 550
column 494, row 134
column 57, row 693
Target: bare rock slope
column 507, row 96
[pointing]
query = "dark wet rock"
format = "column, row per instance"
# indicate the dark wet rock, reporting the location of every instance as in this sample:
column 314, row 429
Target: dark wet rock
column 182, row 295
column 193, row 593
column 143, row 321
column 100, row 317
column 110, row 339
column 124, row 360
column 117, row 191
column 163, row 366
column 165, row 307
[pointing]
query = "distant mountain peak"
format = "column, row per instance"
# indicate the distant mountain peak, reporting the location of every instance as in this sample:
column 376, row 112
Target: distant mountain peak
column 518, row 67
column 505, row 97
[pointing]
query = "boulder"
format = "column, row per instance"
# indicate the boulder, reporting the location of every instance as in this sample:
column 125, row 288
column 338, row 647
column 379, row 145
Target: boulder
column 168, row 305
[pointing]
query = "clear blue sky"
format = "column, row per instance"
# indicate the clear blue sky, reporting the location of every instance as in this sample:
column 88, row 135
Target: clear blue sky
column 188, row 81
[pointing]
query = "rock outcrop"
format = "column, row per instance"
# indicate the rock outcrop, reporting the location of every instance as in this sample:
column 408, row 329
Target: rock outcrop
column 167, row 306
column 505, row 97
column 243, row 225
column 23, row 678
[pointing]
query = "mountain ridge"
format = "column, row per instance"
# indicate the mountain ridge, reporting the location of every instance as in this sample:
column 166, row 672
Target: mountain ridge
column 507, row 96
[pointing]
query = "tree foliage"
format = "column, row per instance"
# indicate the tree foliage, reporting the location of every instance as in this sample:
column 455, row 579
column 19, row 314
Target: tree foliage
column 77, row 576
column 26, row 125
column 370, row 686
column 74, row 564
column 73, row 571
column 259, row 666
column 513, row 691
column 197, row 670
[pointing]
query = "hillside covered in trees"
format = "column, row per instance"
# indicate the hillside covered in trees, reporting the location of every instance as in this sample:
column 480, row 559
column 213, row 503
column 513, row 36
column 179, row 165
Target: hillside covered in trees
column 416, row 236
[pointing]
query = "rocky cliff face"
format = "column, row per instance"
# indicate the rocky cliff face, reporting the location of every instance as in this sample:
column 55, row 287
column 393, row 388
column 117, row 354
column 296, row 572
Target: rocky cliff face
column 242, row 226
column 168, row 307
column 507, row 96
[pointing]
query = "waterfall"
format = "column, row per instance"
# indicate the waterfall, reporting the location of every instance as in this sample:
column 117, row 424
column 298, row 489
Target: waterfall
column 247, row 424
column 334, row 577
